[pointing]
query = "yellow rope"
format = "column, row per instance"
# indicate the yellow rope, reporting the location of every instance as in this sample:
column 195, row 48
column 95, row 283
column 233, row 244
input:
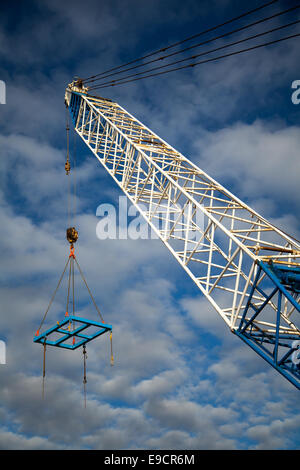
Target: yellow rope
column 111, row 350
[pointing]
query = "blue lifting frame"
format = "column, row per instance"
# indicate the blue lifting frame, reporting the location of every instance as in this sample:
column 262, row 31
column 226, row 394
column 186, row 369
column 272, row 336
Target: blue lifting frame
column 277, row 348
column 76, row 333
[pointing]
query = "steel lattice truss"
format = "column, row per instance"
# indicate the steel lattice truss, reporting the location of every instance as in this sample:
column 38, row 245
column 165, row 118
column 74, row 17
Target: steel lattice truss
column 247, row 268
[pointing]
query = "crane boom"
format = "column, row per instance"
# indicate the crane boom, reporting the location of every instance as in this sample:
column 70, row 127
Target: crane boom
column 246, row 267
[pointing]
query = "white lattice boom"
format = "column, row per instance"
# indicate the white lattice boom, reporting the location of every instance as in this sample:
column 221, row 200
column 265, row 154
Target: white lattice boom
column 217, row 239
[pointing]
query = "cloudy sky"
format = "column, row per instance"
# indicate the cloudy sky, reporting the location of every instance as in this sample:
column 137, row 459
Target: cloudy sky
column 181, row 380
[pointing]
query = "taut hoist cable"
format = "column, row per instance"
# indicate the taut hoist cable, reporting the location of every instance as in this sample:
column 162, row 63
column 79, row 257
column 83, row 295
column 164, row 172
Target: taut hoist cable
column 74, row 175
column 207, row 41
column 68, row 169
column 213, row 59
column 71, row 233
column 67, row 164
column 163, row 49
column 240, row 41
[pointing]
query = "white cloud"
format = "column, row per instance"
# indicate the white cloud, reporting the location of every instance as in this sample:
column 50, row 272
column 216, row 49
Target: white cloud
column 273, row 434
column 260, row 160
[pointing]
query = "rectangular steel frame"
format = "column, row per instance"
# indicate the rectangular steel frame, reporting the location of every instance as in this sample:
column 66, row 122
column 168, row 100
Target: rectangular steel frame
column 67, row 334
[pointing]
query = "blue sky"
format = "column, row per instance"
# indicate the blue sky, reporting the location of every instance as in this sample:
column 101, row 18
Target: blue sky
column 181, row 380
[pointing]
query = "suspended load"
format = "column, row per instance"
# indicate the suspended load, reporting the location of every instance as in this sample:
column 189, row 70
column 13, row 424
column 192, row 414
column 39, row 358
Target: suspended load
column 71, row 331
